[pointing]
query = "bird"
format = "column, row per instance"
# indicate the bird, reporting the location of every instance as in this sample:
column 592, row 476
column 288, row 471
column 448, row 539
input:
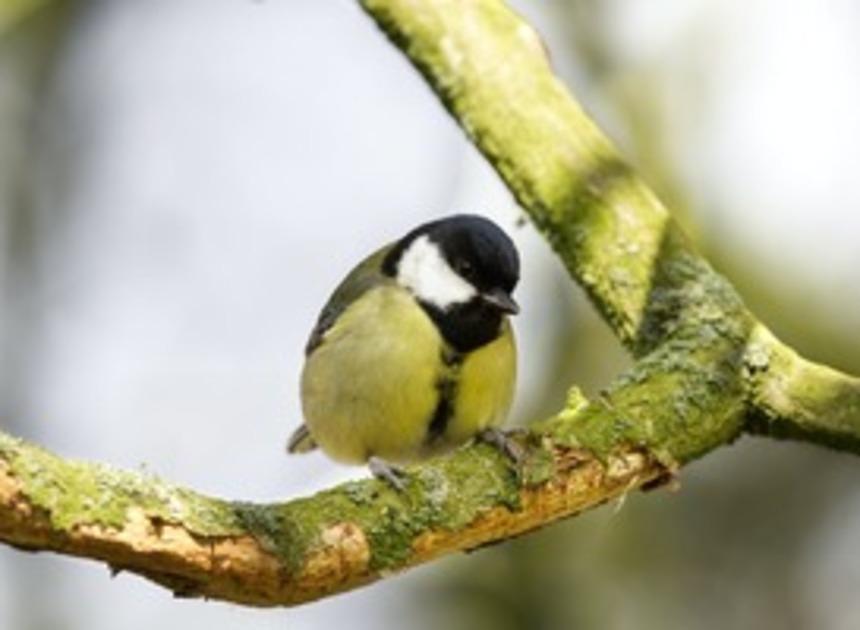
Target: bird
column 414, row 353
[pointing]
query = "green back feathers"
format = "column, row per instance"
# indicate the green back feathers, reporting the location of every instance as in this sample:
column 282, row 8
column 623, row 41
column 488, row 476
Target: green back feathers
column 366, row 275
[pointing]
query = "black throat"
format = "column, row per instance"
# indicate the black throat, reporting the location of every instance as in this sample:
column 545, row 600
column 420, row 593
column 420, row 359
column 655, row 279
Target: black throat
column 468, row 326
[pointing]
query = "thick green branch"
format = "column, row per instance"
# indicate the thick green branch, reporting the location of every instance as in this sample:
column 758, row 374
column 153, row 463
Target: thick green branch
column 792, row 397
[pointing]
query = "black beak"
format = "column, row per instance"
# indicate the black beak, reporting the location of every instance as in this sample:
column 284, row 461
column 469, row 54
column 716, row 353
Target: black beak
column 501, row 300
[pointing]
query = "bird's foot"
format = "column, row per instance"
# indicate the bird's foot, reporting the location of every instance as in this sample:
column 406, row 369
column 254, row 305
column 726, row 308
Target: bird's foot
column 504, row 443
column 395, row 476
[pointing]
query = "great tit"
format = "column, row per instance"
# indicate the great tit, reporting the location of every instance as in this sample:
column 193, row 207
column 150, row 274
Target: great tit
column 413, row 354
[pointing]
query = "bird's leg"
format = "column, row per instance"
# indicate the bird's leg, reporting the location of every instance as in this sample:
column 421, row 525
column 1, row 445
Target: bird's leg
column 393, row 475
column 503, row 442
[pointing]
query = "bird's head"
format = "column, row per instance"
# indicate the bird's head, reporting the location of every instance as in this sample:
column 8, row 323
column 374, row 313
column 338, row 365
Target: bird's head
column 462, row 270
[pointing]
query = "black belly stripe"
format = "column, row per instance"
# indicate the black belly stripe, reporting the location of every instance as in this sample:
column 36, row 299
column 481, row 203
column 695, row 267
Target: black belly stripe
column 446, row 389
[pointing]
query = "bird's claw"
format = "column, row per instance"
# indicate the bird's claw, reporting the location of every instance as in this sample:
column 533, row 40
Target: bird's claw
column 504, row 443
column 389, row 473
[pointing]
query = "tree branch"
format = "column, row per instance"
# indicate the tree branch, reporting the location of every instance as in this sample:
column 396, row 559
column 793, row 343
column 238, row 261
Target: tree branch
column 706, row 371
column 293, row 552
column 792, row 397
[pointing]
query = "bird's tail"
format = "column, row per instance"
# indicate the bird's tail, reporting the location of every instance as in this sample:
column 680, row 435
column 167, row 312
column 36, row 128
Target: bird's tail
column 301, row 441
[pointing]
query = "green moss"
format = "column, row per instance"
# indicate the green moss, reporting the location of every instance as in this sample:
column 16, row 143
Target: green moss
column 684, row 396
column 538, row 467
column 797, row 399
column 447, row 493
column 681, row 400
column 76, row 493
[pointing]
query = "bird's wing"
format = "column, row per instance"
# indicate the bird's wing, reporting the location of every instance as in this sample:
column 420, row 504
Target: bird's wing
column 366, row 275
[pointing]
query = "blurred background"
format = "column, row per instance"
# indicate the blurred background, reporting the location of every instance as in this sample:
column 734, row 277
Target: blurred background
column 183, row 183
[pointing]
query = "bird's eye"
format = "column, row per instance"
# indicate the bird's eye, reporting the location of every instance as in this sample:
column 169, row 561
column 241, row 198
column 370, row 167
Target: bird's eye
column 463, row 267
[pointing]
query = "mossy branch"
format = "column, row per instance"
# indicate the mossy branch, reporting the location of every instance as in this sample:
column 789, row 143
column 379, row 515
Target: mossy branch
column 792, row 397
column 706, row 371
column 288, row 553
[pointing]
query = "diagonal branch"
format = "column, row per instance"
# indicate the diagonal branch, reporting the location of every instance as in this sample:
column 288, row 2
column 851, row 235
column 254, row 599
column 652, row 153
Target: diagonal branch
column 706, row 371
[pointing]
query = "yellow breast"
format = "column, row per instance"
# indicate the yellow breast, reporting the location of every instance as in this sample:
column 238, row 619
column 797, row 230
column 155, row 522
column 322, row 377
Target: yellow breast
column 372, row 387
column 485, row 387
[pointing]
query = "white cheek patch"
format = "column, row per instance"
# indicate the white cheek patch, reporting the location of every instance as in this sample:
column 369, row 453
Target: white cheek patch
column 425, row 272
